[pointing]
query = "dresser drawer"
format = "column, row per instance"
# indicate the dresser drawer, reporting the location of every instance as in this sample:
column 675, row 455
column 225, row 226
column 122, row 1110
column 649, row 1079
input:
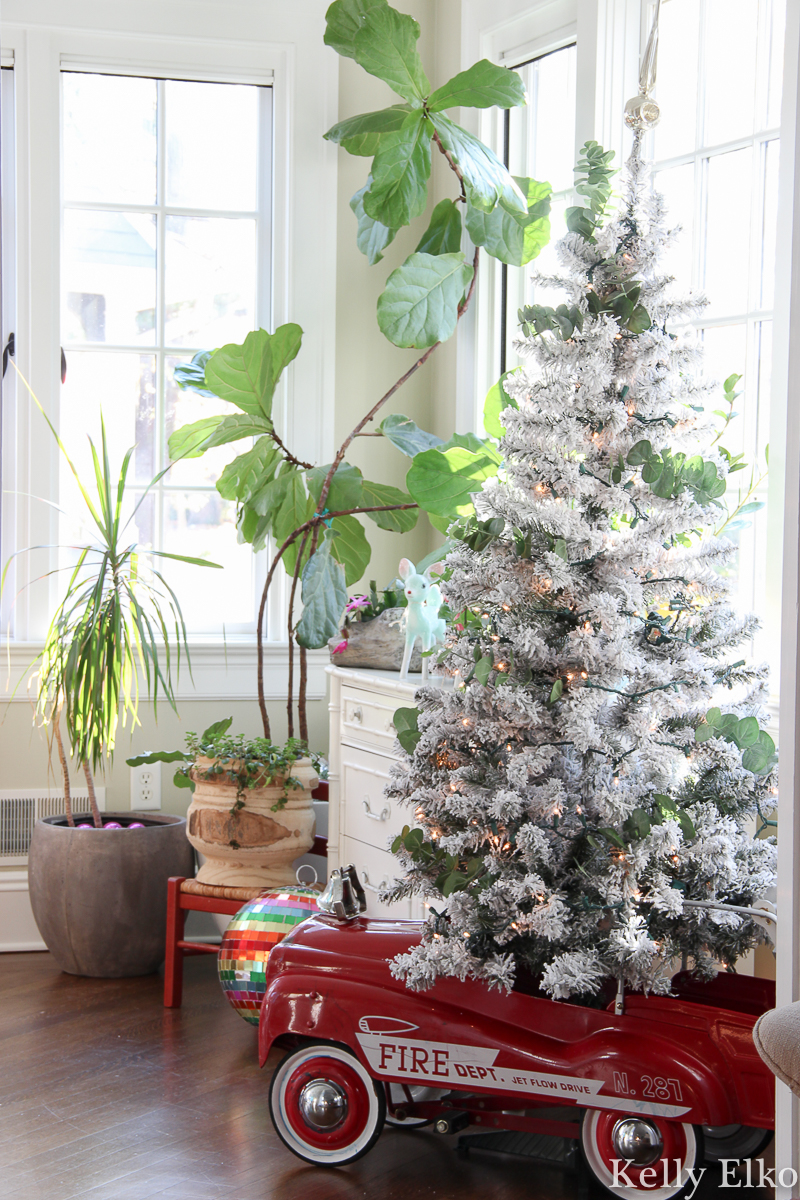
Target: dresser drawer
column 376, row 870
column 366, row 813
column 367, row 719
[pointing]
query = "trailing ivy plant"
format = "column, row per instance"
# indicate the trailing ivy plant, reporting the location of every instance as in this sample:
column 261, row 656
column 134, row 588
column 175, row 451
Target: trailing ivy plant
column 312, row 512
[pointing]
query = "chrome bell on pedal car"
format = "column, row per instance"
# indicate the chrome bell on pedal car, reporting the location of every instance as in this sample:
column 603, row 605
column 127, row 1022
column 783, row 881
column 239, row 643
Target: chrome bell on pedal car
column 344, row 896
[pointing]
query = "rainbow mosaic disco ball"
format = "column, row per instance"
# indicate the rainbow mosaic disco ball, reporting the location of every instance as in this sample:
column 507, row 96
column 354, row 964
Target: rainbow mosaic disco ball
column 247, row 943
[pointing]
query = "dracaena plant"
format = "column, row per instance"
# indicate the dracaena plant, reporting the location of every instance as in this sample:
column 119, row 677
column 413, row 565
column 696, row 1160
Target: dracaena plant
column 112, row 628
column 312, row 512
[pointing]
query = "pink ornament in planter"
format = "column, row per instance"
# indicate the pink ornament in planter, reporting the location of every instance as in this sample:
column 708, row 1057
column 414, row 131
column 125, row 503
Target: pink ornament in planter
column 112, row 825
column 85, row 825
column 136, row 825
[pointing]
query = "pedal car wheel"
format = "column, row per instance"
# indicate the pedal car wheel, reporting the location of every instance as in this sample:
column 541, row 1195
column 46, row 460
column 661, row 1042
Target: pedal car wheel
column 734, row 1141
column 325, row 1106
column 610, row 1140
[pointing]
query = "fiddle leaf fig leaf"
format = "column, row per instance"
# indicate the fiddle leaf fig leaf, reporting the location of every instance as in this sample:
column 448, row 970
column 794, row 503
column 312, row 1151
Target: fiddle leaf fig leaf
column 191, row 441
column 246, row 375
column 508, row 236
column 362, row 134
column 444, row 481
column 372, row 237
column 443, row 235
column 350, row 548
column 497, row 400
column 344, row 19
column 419, row 305
column 385, row 45
column 193, row 374
column 324, row 595
column 400, row 170
column 398, row 521
column 345, row 490
column 487, row 181
column 483, row 85
column 403, row 433
column 246, row 475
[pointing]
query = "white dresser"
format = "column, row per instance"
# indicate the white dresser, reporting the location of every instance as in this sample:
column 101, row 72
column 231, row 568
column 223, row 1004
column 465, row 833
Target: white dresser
column 361, row 820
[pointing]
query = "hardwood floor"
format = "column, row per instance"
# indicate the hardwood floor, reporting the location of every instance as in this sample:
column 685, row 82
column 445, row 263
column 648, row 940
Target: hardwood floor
column 105, row 1095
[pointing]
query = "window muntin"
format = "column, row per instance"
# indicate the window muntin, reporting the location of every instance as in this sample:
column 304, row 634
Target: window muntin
column 159, row 259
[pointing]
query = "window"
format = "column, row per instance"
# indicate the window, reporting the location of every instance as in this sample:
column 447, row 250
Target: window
column 540, row 143
column 715, row 158
column 162, row 257
column 194, row 231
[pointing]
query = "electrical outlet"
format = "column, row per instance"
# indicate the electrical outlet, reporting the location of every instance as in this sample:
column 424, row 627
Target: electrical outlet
column 146, row 787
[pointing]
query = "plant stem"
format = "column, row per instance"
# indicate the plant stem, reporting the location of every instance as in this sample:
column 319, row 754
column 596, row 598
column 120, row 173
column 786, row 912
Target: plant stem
column 62, row 758
column 301, row 691
column 301, row 699
column 87, row 770
column 289, row 698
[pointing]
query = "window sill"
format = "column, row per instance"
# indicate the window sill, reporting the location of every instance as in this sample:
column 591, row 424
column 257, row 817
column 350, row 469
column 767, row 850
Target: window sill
column 220, row 671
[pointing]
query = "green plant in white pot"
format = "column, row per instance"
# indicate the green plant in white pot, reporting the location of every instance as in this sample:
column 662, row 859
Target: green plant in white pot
column 98, row 889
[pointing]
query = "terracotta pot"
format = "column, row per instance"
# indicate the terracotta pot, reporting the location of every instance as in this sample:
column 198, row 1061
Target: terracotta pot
column 256, row 845
column 99, row 897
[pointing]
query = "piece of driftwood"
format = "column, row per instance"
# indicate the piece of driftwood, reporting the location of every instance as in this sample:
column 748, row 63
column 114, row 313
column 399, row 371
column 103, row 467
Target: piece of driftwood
column 378, row 643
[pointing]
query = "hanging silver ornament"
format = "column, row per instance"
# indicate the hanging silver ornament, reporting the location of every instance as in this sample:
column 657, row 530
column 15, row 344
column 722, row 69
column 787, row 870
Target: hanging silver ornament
column 642, row 113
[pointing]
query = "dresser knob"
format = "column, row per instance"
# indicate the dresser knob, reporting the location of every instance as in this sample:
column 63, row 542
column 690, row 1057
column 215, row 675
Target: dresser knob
column 383, row 815
column 357, row 716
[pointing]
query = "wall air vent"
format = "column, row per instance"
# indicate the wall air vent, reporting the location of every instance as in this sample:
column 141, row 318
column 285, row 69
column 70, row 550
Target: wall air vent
column 19, row 808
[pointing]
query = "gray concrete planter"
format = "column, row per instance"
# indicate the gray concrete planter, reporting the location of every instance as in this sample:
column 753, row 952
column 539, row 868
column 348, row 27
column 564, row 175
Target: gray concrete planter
column 99, row 897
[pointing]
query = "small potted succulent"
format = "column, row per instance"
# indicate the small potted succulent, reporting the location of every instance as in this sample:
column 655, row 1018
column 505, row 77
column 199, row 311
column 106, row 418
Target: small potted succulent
column 371, row 633
column 251, row 813
column 97, row 884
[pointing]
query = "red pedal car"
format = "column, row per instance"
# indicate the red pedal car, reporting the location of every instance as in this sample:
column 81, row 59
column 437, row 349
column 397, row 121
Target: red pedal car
column 669, row 1084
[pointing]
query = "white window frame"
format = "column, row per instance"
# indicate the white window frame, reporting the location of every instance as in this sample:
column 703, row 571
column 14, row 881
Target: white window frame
column 257, row 42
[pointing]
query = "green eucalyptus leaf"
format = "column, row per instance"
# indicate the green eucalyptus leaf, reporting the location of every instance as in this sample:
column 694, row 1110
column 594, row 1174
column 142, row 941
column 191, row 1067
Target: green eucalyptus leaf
column 556, row 691
column 372, row 237
column 508, row 236
column 747, row 733
column 344, row 18
column 361, row 135
column 443, row 482
column 639, row 320
column 687, row 827
column 398, row 521
column 385, row 45
column 443, row 235
column 497, row 401
column 419, row 305
column 345, row 490
column 350, row 548
column 639, row 453
column 483, row 85
column 487, row 181
column 454, row 882
column 405, row 723
column 400, row 170
column 324, row 596
column 761, row 757
column 403, row 433
column 637, row 825
column 483, row 669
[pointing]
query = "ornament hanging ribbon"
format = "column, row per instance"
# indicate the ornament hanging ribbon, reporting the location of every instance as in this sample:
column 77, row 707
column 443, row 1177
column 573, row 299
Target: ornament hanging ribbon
column 642, row 112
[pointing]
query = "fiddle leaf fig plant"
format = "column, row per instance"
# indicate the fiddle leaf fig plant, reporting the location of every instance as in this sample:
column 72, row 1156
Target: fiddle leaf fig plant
column 313, row 513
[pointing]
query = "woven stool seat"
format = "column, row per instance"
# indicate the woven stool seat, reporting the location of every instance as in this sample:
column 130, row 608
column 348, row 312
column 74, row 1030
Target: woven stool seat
column 217, row 892
column 777, row 1039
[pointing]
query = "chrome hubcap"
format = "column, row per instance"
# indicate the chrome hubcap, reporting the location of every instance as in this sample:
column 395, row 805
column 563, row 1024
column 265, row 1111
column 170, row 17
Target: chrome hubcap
column 323, row 1104
column 637, row 1141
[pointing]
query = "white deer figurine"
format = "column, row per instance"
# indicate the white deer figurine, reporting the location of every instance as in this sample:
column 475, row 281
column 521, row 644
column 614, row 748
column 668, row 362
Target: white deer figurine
column 421, row 619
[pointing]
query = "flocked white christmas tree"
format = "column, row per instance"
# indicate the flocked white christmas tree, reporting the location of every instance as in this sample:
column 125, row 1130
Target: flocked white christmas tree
column 583, row 781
